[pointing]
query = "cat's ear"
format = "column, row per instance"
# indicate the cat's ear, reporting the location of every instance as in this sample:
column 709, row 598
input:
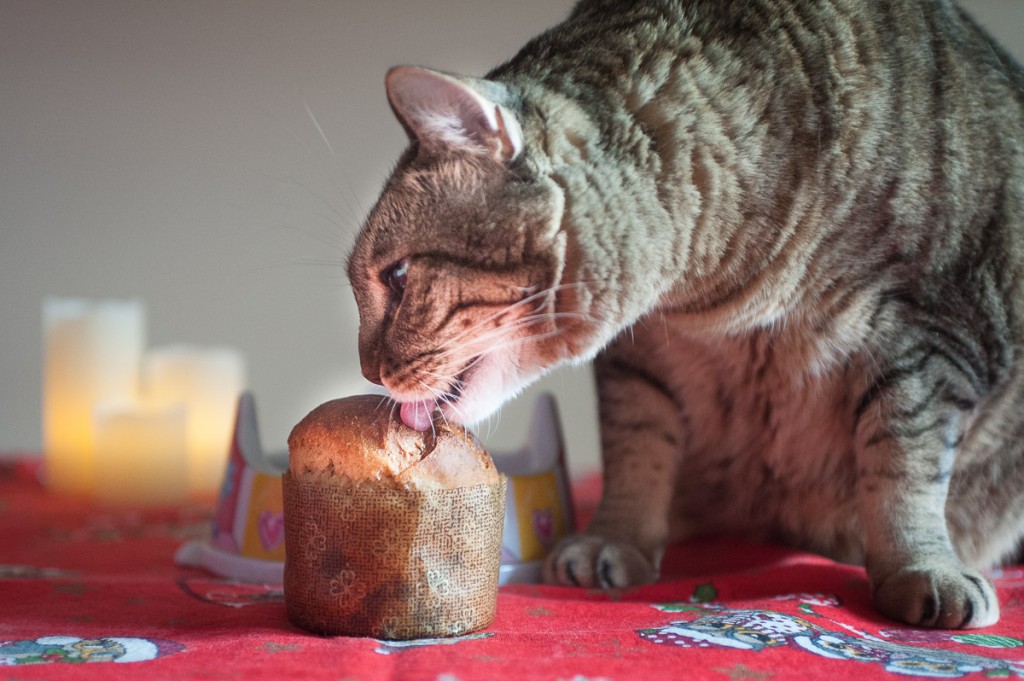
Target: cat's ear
column 438, row 109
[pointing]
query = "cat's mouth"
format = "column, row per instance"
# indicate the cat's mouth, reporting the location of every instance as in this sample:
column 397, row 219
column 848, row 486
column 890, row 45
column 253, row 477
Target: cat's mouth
column 459, row 384
column 419, row 414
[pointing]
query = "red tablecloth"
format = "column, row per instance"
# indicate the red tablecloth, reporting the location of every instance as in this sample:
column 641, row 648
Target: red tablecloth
column 91, row 593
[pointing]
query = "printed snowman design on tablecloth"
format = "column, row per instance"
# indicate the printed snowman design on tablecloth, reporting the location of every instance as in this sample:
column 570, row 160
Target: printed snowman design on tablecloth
column 51, row 649
column 756, row 630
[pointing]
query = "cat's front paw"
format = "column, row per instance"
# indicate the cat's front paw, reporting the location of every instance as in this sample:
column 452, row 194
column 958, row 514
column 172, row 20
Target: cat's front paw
column 591, row 561
column 947, row 596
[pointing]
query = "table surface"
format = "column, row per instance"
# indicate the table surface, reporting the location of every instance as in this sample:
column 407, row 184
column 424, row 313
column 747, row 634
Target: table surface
column 83, row 588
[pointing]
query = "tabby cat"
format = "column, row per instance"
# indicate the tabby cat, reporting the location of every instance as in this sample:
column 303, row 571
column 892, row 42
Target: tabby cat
column 790, row 235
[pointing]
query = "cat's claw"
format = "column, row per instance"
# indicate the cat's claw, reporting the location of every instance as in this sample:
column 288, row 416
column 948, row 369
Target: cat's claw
column 948, row 597
column 593, row 562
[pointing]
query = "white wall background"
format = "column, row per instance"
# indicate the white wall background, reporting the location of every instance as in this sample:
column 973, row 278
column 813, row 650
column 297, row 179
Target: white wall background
column 166, row 151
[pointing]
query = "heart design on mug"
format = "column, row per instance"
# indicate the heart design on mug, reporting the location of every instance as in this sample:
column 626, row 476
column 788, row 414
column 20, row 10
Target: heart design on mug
column 271, row 529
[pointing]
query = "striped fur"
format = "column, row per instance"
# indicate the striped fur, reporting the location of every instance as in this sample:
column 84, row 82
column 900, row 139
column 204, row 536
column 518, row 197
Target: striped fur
column 788, row 232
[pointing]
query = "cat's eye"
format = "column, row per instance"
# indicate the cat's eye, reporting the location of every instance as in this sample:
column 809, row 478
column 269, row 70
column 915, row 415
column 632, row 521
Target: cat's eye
column 394, row 277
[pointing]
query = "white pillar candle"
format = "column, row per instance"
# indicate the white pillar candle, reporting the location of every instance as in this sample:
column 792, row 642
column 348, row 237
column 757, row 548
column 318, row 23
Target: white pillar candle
column 208, row 381
column 141, row 454
column 91, row 354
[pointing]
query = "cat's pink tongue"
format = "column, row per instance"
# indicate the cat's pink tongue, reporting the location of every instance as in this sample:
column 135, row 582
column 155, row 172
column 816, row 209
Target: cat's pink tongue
column 418, row 415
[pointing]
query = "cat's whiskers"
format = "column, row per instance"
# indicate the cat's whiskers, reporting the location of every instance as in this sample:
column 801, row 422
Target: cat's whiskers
column 502, row 337
column 343, row 213
column 498, row 344
column 537, row 316
column 428, row 388
column 319, row 129
column 443, row 397
column 493, row 340
column 497, row 315
column 537, row 296
column 394, row 405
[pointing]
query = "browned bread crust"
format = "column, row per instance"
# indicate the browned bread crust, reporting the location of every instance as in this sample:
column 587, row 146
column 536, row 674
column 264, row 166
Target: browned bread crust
column 362, row 438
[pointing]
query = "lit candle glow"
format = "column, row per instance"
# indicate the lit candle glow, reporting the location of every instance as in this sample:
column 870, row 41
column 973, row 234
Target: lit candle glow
column 128, row 427
column 207, row 382
column 91, row 353
column 140, row 454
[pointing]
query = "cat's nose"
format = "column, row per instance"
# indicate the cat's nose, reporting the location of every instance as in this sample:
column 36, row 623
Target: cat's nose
column 370, row 355
column 371, row 369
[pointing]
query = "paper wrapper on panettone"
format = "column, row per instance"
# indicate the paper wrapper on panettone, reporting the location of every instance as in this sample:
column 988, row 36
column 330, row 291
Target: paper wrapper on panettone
column 367, row 559
column 386, row 556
